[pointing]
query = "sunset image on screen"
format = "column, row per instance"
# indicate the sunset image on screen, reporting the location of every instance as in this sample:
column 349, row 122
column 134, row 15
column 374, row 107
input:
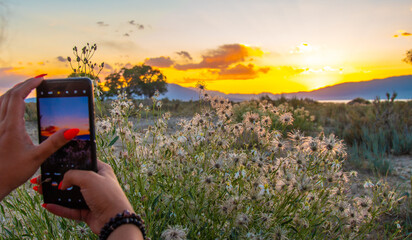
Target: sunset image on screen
column 58, row 113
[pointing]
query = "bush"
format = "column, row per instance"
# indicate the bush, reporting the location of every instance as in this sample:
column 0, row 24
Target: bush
column 359, row 101
column 197, row 182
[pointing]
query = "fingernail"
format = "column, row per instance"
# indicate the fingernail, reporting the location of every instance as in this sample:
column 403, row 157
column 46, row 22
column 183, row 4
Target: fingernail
column 41, row 75
column 36, row 188
column 44, row 205
column 71, row 133
column 33, row 180
column 60, row 186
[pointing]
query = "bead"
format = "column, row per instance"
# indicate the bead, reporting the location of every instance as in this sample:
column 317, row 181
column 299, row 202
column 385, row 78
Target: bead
column 125, row 217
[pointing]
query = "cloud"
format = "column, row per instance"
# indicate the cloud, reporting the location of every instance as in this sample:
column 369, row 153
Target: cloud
column 223, row 57
column 61, row 59
column 242, row 72
column 108, row 66
column 325, row 69
column 193, row 80
column 102, row 24
column 303, row 48
column 229, row 61
column 8, row 78
column 162, row 62
column 402, row 33
column 139, row 26
column 126, row 45
column 185, row 55
column 288, row 70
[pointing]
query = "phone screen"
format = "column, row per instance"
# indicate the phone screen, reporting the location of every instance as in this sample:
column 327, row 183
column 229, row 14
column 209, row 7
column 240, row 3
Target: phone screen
column 66, row 104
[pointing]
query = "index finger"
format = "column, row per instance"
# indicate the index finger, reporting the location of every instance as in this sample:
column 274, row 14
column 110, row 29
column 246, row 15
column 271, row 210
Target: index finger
column 18, row 94
column 23, row 89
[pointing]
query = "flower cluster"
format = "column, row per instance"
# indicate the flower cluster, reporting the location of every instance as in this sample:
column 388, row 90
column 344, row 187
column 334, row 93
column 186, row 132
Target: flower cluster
column 217, row 177
column 229, row 172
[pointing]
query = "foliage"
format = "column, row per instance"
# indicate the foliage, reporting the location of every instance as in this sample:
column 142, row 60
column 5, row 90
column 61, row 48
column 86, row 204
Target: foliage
column 30, row 113
column 372, row 150
column 359, row 101
column 113, row 84
column 199, row 183
column 83, row 63
column 83, row 66
column 373, row 131
column 299, row 118
column 408, row 57
column 141, row 80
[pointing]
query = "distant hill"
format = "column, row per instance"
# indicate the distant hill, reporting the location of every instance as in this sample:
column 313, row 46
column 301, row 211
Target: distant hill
column 29, row 100
column 402, row 85
column 177, row 92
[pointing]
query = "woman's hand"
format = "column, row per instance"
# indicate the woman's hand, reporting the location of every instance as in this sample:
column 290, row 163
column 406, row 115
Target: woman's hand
column 100, row 190
column 19, row 157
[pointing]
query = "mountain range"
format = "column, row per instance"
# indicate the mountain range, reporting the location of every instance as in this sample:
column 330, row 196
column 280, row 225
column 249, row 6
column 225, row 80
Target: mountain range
column 402, row 85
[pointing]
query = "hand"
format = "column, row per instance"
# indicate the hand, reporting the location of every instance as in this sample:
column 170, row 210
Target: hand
column 19, row 157
column 100, row 190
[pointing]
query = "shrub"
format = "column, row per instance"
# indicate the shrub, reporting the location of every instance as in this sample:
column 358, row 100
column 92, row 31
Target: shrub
column 359, row 101
column 199, row 183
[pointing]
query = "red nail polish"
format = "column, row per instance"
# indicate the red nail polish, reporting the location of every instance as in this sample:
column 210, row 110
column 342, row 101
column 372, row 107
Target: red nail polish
column 41, row 75
column 33, row 180
column 60, row 186
column 71, row 133
column 36, row 188
column 44, row 205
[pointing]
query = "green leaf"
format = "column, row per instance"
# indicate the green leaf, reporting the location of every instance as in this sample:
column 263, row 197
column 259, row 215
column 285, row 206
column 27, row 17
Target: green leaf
column 113, row 141
column 156, row 200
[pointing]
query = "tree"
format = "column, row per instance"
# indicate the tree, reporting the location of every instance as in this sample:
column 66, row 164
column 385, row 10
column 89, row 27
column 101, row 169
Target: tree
column 138, row 80
column 408, row 58
column 113, row 83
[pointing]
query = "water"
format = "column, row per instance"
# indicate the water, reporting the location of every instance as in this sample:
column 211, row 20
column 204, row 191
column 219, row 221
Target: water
column 371, row 100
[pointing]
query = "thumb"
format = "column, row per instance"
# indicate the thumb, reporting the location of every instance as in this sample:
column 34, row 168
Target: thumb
column 54, row 142
column 80, row 178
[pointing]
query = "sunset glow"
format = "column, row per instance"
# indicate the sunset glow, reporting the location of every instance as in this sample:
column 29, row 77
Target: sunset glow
column 232, row 46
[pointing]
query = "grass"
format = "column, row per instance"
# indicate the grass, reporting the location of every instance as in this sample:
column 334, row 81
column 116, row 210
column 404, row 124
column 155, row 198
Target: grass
column 230, row 171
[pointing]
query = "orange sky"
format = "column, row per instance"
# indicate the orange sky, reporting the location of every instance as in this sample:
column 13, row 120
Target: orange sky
column 232, row 46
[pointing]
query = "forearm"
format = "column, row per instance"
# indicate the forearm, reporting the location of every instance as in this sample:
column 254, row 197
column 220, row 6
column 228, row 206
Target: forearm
column 4, row 191
column 126, row 232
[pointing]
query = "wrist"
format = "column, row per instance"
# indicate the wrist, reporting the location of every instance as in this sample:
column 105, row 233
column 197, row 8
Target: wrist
column 126, row 232
column 113, row 211
column 121, row 219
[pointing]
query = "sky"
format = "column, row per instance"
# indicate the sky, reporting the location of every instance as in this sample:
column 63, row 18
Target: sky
column 67, row 112
column 233, row 46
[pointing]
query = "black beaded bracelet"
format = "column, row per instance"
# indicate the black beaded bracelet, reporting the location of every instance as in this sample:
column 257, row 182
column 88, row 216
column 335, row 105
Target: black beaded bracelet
column 122, row 218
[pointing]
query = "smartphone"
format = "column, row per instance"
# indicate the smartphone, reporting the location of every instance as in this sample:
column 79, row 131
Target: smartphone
column 66, row 103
